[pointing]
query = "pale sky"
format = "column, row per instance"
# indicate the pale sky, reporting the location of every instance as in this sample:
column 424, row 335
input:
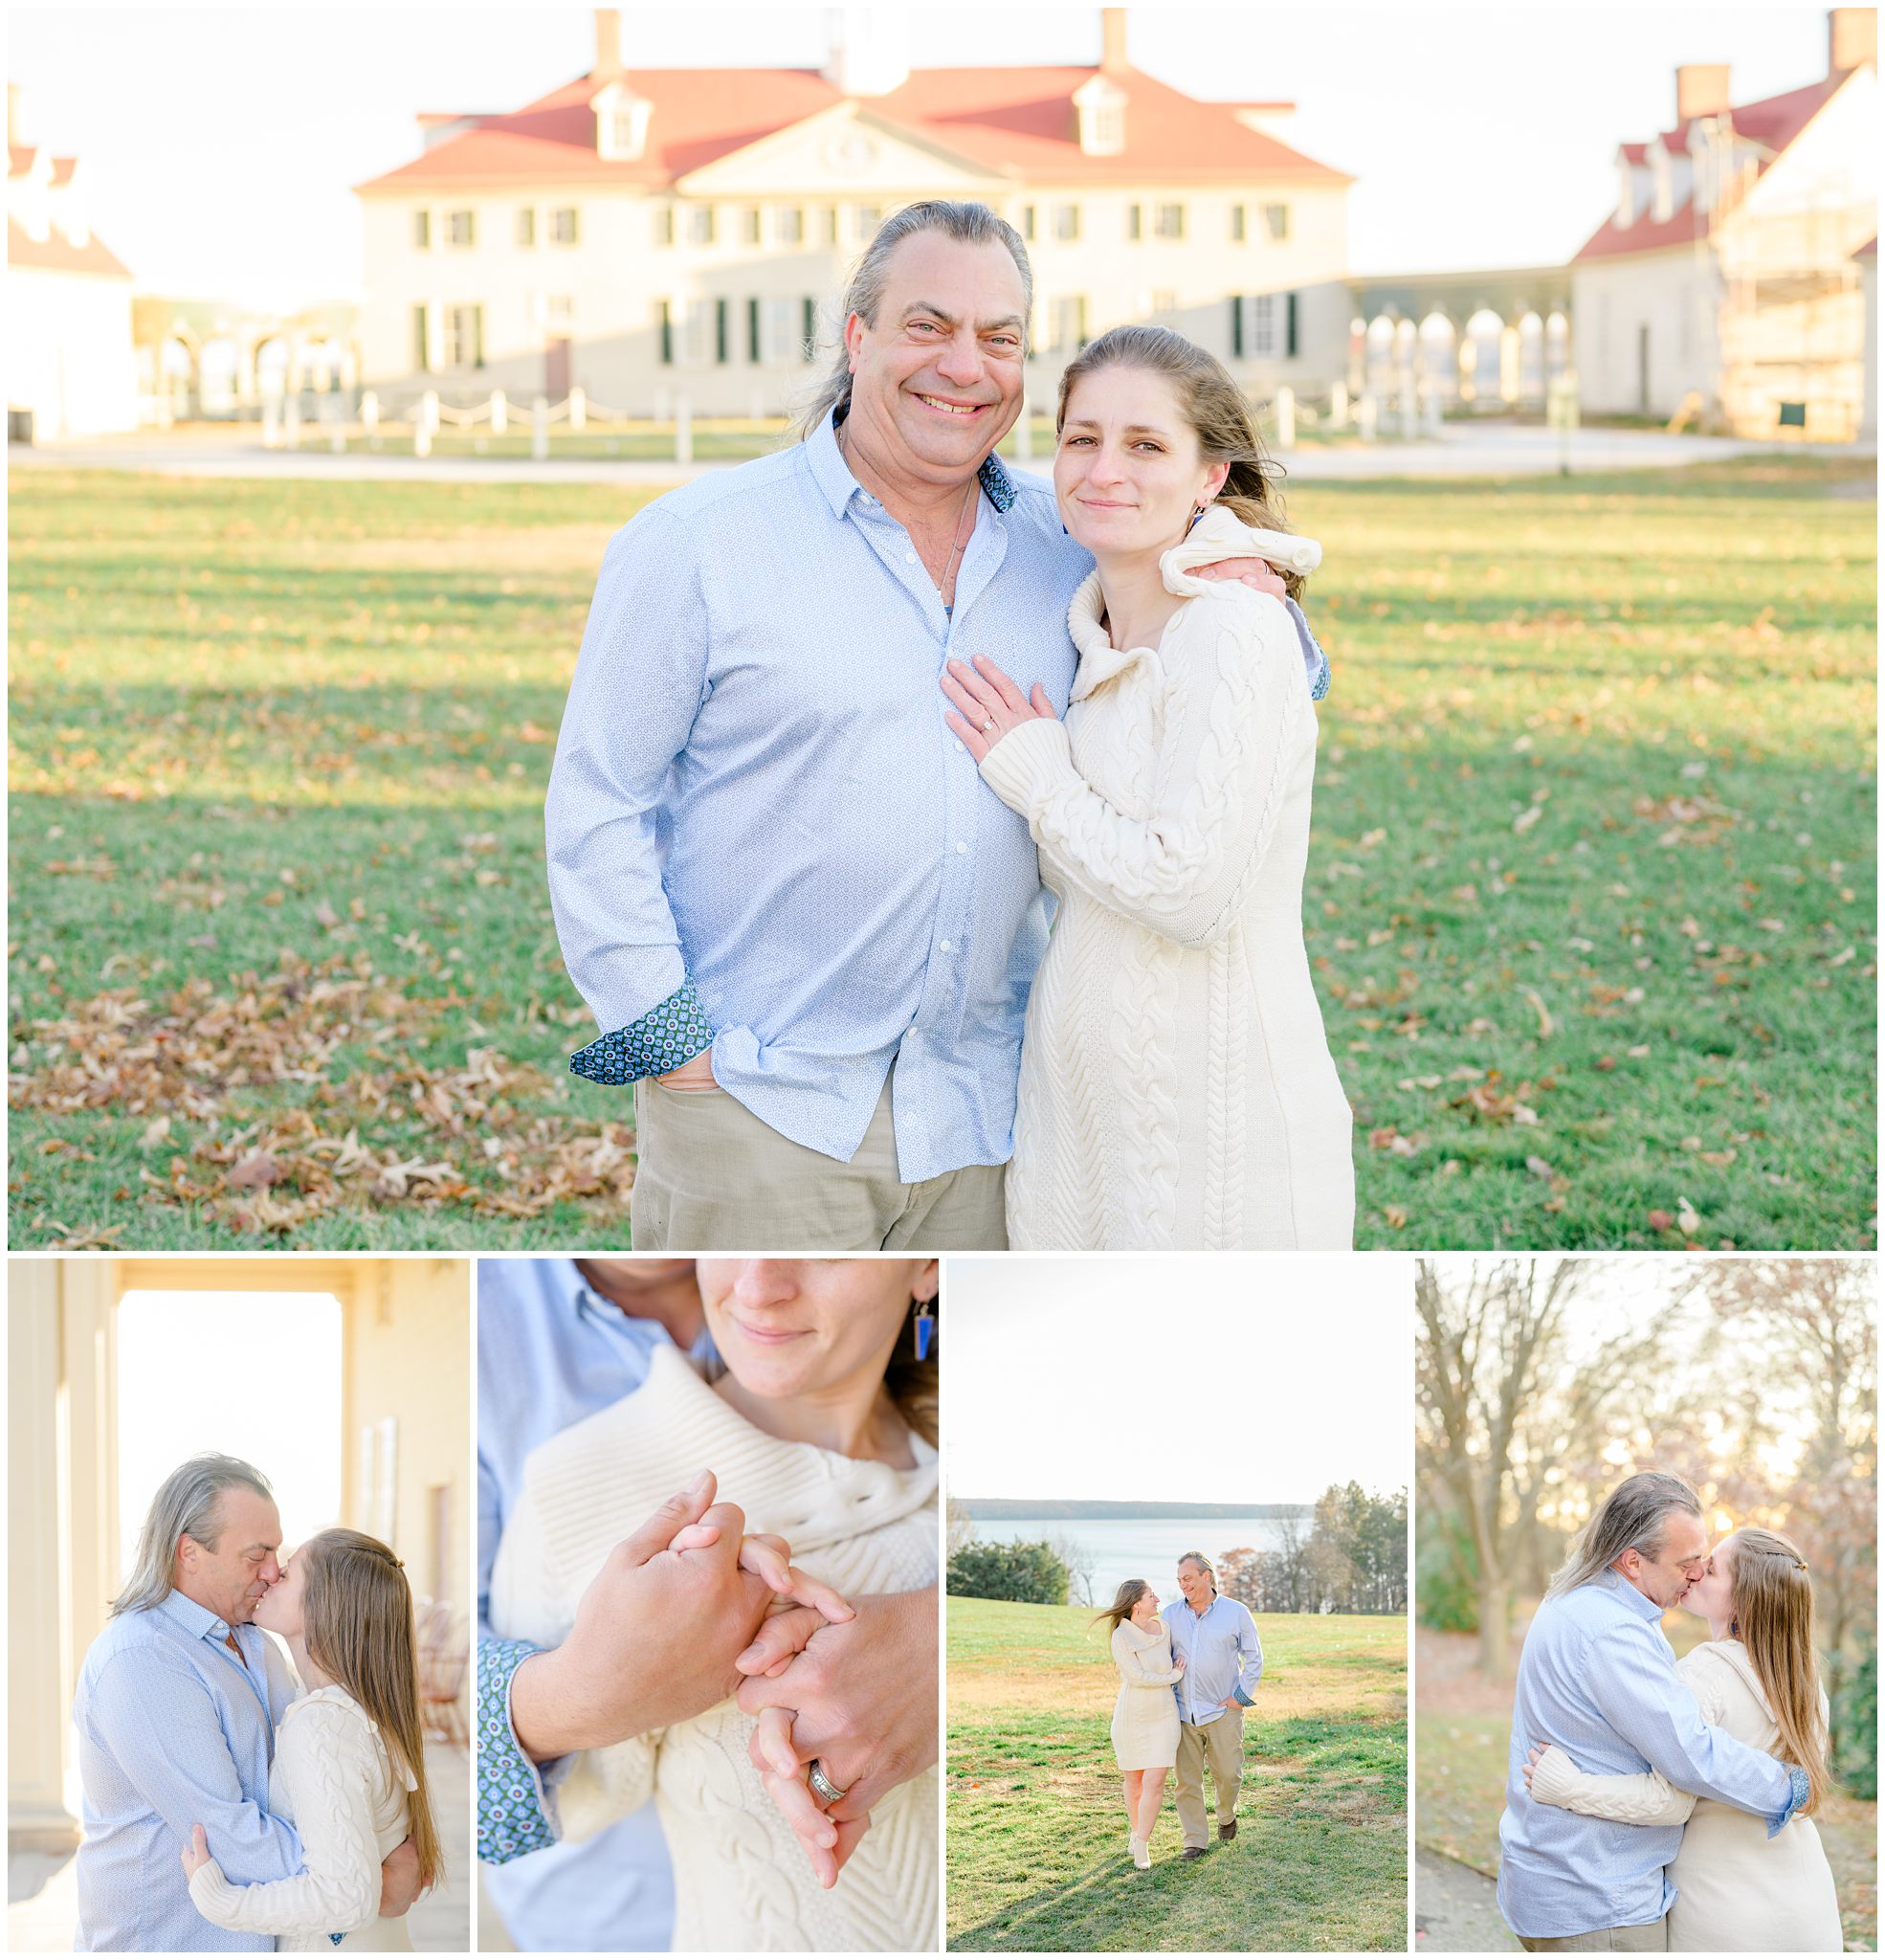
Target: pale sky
column 1218, row 1379
column 255, row 1375
column 221, row 143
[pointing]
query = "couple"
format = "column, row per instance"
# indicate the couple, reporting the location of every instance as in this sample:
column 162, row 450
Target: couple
column 752, row 1739
column 1656, row 1806
column 1184, row 1683
column 810, row 931
column 225, row 1812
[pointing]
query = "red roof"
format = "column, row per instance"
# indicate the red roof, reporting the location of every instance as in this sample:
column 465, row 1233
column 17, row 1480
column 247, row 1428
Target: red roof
column 1869, row 250
column 1015, row 120
column 56, row 253
column 1773, row 123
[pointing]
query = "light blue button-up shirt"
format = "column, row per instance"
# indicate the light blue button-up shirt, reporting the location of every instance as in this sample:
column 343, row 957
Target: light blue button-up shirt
column 551, row 1350
column 1598, row 1678
column 1223, row 1658
column 175, row 1730
column 760, row 830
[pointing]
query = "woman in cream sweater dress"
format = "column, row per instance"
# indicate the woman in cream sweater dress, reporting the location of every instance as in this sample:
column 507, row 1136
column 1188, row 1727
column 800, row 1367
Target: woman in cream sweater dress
column 1177, row 1089
column 1145, row 1715
column 343, row 1607
column 1738, row 1890
column 860, row 1524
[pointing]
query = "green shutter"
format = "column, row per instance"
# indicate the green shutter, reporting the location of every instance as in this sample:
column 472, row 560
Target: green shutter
column 1289, row 343
column 420, row 363
column 1132, row 221
column 811, row 329
column 719, row 332
column 1236, row 325
column 477, row 335
column 667, row 335
column 752, row 331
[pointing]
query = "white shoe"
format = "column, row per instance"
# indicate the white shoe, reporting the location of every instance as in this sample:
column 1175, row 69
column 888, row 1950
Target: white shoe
column 1142, row 1852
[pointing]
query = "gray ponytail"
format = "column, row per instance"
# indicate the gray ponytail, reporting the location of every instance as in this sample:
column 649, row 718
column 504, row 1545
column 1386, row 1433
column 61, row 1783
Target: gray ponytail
column 1634, row 1515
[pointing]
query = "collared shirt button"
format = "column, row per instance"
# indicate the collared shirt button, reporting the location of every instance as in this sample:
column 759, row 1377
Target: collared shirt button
column 909, row 558
column 947, row 946
column 961, row 848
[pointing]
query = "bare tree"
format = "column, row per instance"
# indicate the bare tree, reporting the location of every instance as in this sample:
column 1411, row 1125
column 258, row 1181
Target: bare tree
column 1490, row 1337
column 1080, row 1564
column 959, row 1525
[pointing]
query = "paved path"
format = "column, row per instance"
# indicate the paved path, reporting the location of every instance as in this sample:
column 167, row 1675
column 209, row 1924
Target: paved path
column 1457, row 1909
column 1461, row 450
column 42, row 1890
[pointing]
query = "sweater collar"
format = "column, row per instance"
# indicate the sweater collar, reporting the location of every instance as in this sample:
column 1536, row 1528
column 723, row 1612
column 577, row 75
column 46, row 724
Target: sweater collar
column 813, row 1497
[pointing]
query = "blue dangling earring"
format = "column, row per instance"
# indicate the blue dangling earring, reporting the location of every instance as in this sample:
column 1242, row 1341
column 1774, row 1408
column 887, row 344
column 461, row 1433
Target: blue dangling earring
column 925, row 1330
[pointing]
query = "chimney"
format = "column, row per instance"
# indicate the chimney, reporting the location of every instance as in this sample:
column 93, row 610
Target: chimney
column 870, row 51
column 1113, row 39
column 1701, row 89
column 608, row 44
column 1851, row 39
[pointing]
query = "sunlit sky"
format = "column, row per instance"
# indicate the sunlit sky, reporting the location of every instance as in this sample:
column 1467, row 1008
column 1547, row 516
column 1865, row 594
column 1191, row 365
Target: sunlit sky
column 221, row 143
column 255, row 1375
column 1201, row 1380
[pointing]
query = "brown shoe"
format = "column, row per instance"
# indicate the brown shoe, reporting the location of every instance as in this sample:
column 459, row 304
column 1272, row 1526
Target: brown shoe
column 1192, row 1851
column 1226, row 1832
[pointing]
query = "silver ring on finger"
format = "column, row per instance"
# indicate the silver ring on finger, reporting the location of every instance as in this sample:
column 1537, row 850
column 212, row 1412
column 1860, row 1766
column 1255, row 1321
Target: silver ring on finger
column 988, row 727
column 822, row 1787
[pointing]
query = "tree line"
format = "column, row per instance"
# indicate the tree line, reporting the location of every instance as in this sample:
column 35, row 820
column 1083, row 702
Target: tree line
column 1351, row 1556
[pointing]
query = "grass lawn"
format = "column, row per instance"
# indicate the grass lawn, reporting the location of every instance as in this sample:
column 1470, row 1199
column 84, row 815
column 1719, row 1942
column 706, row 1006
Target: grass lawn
column 1459, row 1781
column 1590, row 903
column 1036, row 1821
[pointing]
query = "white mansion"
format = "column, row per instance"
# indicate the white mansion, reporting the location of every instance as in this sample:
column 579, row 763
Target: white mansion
column 650, row 233
column 1731, row 273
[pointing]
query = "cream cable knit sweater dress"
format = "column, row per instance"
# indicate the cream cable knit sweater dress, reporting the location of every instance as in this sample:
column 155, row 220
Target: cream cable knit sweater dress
column 742, row 1883
column 1145, row 1715
column 1177, row 1089
column 334, row 1780
column 1737, row 1890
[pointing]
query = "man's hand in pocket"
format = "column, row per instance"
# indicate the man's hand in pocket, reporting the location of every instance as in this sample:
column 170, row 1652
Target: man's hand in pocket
column 695, row 1073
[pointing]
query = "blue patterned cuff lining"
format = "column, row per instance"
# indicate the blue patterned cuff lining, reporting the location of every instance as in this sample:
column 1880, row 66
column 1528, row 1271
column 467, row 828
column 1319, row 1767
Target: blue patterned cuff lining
column 510, row 1801
column 1800, row 1791
column 1314, row 658
column 664, row 1038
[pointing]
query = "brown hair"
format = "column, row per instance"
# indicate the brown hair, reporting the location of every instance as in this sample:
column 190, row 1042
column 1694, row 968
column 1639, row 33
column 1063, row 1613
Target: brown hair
column 1131, row 1592
column 1215, row 407
column 357, row 1627
column 1773, row 1596
column 916, row 1386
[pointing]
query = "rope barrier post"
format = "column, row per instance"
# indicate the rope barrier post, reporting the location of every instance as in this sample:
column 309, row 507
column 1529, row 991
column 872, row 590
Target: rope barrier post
column 1368, row 421
column 337, row 432
column 369, row 417
column 424, row 423
column 683, row 431
column 540, row 430
column 1339, row 406
column 1286, row 417
column 499, row 411
column 578, row 405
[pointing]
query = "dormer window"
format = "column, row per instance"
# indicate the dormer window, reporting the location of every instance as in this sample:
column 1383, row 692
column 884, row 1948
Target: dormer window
column 1102, row 106
column 621, row 123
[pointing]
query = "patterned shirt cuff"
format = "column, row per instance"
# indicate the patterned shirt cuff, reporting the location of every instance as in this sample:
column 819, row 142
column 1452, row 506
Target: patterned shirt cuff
column 1799, row 1790
column 664, row 1038
column 513, row 1813
column 1315, row 661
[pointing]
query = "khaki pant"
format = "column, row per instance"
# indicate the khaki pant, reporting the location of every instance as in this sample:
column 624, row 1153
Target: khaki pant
column 712, row 1177
column 1220, row 1745
column 1652, row 1937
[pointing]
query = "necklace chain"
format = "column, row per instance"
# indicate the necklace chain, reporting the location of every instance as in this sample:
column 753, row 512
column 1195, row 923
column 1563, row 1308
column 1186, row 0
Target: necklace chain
column 941, row 585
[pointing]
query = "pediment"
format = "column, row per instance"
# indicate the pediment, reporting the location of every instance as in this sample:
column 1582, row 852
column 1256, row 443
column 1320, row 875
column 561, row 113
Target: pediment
column 842, row 151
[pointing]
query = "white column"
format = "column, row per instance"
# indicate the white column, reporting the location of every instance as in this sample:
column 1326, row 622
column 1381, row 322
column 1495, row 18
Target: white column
column 36, row 1610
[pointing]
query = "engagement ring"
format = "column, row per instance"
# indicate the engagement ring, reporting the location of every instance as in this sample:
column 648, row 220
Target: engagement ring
column 987, row 726
column 822, row 1788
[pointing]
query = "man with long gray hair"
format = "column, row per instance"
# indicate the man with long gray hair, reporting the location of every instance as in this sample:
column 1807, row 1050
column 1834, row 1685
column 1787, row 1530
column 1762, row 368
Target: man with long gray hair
column 176, row 1709
column 1598, row 1678
column 805, row 927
